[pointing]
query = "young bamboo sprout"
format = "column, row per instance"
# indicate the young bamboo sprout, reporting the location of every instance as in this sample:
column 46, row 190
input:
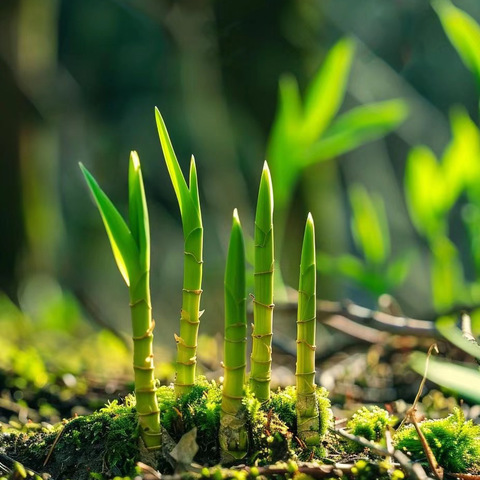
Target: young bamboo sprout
column 131, row 249
column 189, row 203
column 233, row 434
column 307, row 407
column 261, row 358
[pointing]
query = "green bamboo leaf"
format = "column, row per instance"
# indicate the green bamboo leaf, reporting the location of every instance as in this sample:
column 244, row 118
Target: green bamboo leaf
column 139, row 224
column 447, row 274
column 399, row 268
column 461, row 159
column 285, row 144
column 447, row 327
column 358, row 126
column 369, row 225
column 193, row 185
column 463, row 380
column 463, row 32
column 190, row 215
column 123, row 244
column 327, row 90
column 425, row 191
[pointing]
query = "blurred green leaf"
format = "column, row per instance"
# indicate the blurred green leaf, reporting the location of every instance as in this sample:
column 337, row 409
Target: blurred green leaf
column 425, row 191
column 461, row 379
column 351, row 267
column 285, row 146
column 461, row 159
column 356, row 127
column 463, row 32
column 447, row 327
column 369, row 225
column 398, row 269
column 123, row 244
column 447, row 274
column 327, row 90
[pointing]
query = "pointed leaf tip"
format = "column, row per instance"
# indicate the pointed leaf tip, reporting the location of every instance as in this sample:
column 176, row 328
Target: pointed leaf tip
column 135, row 160
column 236, row 218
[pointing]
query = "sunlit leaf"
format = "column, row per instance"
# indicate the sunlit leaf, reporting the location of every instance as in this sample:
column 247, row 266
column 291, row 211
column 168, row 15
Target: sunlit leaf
column 190, row 214
column 356, row 127
column 447, row 274
column 447, row 327
column 463, row 380
column 123, row 244
column 464, row 33
column 327, row 90
column 351, row 267
column 285, row 145
column 425, row 190
column 461, row 159
column 138, row 213
column 369, row 225
column 193, row 184
column 399, row 268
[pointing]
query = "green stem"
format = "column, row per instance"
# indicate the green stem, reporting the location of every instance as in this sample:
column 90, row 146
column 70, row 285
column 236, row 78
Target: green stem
column 233, row 434
column 261, row 358
column 145, row 389
column 307, row 407
column 192, row 291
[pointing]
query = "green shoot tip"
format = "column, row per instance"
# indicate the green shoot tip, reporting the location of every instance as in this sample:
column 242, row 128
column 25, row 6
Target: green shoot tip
column 236, row 218
column 135, row 160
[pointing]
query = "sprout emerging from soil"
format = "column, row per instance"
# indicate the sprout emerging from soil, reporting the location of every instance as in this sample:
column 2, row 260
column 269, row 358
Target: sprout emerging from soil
column 189, row 203
column 233, row 434
column 261, row 358
column 307, row 407
column 131, row 248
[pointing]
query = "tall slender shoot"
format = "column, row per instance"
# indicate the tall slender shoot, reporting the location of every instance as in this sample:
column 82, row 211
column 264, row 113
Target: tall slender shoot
column 189, row 203
column 233, row 434
column 131, row 249
column 307, row 406
column 261, row 358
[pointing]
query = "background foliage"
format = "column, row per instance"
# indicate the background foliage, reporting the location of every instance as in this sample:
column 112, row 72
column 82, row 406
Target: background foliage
column 79, row 80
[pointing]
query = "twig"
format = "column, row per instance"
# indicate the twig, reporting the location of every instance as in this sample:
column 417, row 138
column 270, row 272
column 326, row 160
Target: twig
column 328, row 313
column 415, row 470
column 57, row 438
column 411, row 415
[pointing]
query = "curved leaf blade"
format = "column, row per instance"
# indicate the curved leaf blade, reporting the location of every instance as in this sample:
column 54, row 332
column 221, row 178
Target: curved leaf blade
column 123, row 244
column 463, row 32
column 138, row 213
column 358, row 126
column 327, row 90
column 459, row 378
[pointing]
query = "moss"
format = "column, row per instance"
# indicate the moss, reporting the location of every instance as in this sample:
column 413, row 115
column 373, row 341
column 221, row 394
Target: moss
column 104, row 442
column 454, row 441
column 369, row 423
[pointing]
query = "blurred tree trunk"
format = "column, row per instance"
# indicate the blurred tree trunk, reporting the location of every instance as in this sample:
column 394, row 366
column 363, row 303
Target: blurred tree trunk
column 11, row 226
